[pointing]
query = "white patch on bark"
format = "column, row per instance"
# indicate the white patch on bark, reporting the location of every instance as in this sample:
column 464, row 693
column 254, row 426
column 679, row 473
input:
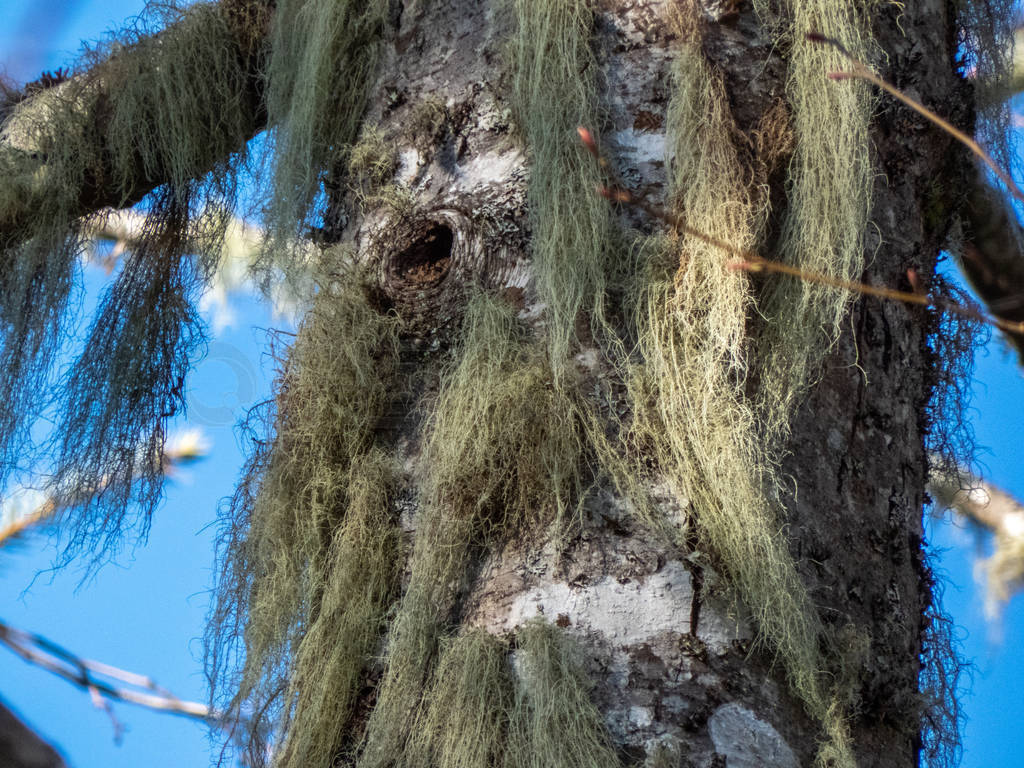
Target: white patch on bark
column 489, row 168
column 628, row 613
column 746, row 741
column 409, row 161
column 640, row 146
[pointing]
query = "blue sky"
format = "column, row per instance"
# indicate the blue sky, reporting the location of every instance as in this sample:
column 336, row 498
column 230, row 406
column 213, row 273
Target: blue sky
column 145, row 613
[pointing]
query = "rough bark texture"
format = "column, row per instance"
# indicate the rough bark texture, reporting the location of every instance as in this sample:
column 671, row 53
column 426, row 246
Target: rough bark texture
column 677, row 673
column 669, row 650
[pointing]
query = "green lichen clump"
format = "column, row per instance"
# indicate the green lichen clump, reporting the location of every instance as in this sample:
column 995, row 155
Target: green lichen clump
column 487, row 705
column 502, row 454
column 323, row 57
column 554, row 722
column 554, row 91
column 177, row 117
column 828, row 205
column 310, row 552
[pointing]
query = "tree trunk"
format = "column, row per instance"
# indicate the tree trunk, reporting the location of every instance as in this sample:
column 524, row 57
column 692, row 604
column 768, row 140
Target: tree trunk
column 552, row 481
column 20, row 747
column 671, row 650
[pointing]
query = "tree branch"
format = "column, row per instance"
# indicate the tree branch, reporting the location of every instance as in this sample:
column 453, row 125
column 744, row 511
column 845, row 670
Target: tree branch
column 95, row 94
column 100, row 680
column 995, row 510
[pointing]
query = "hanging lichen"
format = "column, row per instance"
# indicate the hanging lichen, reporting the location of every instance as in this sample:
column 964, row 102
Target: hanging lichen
column 310, row 554
column 554, row 91
column 177, row 117
column 524, row 704
column 828, row 205
column 464, row 716
column 986, row 48
column 323, row 58
column 128, row 381
column 554, row 723
column 359, row 582
column 502, row 450
column 716, row 432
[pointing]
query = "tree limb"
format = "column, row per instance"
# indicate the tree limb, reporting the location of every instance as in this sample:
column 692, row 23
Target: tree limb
column 997, row 511
column 993, row 256
column 100, row 680
column 96, row 95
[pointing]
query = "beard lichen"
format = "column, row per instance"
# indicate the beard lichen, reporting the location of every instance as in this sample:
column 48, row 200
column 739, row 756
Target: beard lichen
column 310, row 591
column 323, row 57
column 177, row 116
column 717, row 432
column 502, row 453
column 310, row 552
column 555, row 89
column 521, row 702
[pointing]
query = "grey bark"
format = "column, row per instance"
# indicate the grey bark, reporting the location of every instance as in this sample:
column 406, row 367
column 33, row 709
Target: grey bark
column 669, row 651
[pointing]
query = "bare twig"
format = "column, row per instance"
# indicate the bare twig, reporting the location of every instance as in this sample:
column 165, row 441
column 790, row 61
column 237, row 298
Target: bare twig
column 749, row 261
column 861, row 71
column 96, row 678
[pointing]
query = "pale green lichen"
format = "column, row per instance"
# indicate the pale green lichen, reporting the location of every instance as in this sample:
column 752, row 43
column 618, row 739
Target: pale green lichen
column 142, row 107
column 554, row 87
column 323, row 58
column 502, row 451
column 310, row 553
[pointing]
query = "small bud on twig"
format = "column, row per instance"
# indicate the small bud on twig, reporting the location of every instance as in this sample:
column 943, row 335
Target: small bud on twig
column 588, row 141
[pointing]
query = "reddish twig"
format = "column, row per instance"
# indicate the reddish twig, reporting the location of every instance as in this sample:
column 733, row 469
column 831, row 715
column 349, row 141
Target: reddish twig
column 861, row 71
column 751, row 262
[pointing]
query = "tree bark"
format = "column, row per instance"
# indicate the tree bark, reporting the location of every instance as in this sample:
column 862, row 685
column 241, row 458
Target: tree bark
column 673, row 654
column 670, row 652
column 20, row 747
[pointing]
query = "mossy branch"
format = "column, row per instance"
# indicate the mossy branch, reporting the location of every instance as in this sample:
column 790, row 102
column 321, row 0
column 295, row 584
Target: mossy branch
column 97, row 93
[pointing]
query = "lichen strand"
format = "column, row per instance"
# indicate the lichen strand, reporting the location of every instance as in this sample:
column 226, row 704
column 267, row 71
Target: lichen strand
column 142, row 108
column 554, row 723
column 502, row 450
column 829, row 204
column 127, row 382
column 463, row 718
column 487, row 705
column 718, row 433
column 359, row 583
column 554, row 91
column 986, row 30
column 309, row 553
column 322, row 63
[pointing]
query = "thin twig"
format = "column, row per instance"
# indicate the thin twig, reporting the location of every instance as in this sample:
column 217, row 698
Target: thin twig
column 88, row 675
column 181, row 450
column 862, row 72
column 751, row 262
